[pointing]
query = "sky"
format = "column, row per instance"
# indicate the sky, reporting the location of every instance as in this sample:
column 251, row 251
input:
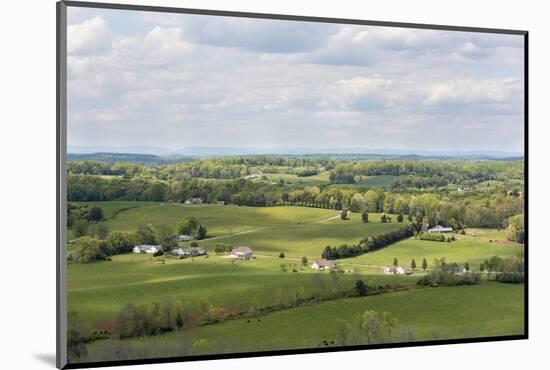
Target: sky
column 174, row 81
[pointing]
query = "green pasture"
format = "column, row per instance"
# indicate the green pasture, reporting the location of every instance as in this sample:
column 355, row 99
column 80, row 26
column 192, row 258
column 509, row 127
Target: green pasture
column 489, row 309
column 306, row 240
column 99, row 290
column 219, row 219
column 112, row 208
column 380, row 181
column 315, row 180
column 474, row 248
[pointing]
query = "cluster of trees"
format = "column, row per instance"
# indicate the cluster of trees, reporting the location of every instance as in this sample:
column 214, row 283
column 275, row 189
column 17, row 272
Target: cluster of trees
column 447, row 274
column 214, row 168
column 460, row 173
column 83, row 213
column 505, row 270
column 103, row 245
column 419, row 182
column 373, row 243
column 222, row 248
column 343, row 251
column 94, row 248
column 473, row 210
column 310, row 171
column 89, row 250
column 368, row 244
column 371, row 327
column 485, row 207
column 516, row 228
column 84, row 220
column 191, row 226
column 434, row 237
column 93, row 188
column 92, row 167
column 153, row 319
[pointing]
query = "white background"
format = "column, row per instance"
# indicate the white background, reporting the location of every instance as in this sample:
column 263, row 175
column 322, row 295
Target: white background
column 27, row 182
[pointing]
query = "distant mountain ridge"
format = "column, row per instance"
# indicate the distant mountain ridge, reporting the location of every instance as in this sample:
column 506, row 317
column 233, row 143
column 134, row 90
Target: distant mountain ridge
column 199, row 151
column 152, row 159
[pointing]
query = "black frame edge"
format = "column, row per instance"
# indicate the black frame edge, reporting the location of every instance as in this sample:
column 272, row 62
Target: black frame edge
column 526, row 175
column 61, row 145
column 224, row 356
column 288, row 17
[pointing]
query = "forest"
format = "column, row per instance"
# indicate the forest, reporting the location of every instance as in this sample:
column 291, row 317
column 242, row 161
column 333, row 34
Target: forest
column 456, row 193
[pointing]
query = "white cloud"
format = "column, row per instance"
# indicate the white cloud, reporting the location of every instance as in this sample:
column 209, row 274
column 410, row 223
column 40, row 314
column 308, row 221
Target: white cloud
column 92, row 35
column 174, row 80
column 362, row 86
column 476, row 91
column 166, row 41
column 358, row 93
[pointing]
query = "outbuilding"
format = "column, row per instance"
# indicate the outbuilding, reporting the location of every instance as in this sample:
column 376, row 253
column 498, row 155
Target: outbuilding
column 323, row 264
column 440, row 229
column 241, row 253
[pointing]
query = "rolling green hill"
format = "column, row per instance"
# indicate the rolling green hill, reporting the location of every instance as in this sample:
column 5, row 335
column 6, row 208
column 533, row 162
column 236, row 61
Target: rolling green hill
column 485, row 310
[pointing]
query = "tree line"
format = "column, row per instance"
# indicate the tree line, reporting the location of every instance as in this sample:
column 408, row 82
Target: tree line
column 214, row 168
column 456, row 172
column 369, row 244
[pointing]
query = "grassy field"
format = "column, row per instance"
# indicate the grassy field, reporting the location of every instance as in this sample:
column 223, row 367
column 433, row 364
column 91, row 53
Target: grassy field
column 489, row 309
column 381, row 181
column 307, row 239
column 296, row 231
column 315, row 180
column 473, row 248
column 112, row 208
column 219, row 220
column 99, row 290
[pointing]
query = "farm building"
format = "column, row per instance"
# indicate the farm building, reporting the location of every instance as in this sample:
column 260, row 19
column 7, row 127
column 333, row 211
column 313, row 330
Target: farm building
column 440, row 229
column 323, row 264
column 147, row 249
column 184, row 238
column 188, row 252
column 397, row 270
column 194, row 201
column 241, row 253
column 253, row 176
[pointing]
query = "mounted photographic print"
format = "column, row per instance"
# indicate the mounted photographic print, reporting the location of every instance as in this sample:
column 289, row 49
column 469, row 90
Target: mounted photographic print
column 237, row 184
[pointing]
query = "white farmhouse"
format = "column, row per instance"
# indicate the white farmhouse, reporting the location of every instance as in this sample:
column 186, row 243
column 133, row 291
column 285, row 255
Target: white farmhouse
column 399, row 270
column 151, row 249
column 323, row 264
column 253, row 176
column 188, row 252
column 241, row 253
column 440, row 229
